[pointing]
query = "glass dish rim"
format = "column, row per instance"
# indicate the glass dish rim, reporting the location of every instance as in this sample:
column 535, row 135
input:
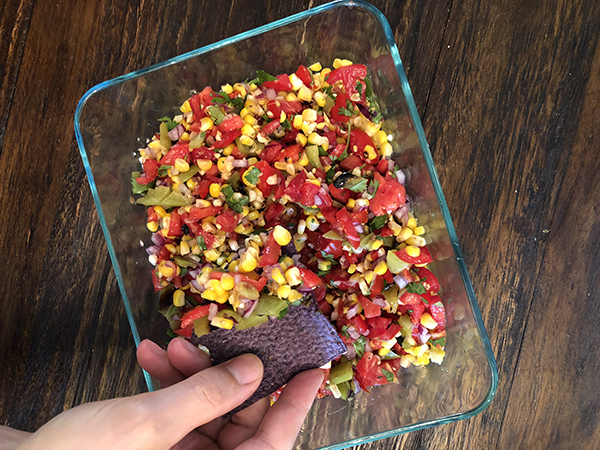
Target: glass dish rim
column 427, row 156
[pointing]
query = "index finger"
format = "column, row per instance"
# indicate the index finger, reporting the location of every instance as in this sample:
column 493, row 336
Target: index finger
column 282, row 423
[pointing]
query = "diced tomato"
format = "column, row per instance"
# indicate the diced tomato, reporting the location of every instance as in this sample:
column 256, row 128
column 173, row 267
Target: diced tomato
column 430, row 281
column 227, row 221
column 202, row 188
column 213, row 171
column 152, row 216
column 308, row 191
column 368, row 371
column 377, row 286
column 359, row 140
column 349, row 76
column 340, row 279
column 351, row 162
column 197, row 313
column 175, row 224
column 232, row 123
column 158, row 286
column 282, row 83
column 293, row 189
column 292, row 152
column 197, row 213
column 320, row 292
column 360, row 217
column 341, row 101
column 325, row 308
column 390, row 195
column 438, row 312
column 241, row 278
column 271, row 253
column 385, row 231
column 179, row 151
column 266, row 172
column 341, row 195
column 270, row 127
column 150, row 172
column 304, row 74
column 290, row 107
column 227, row 138
column 330, row 247
column 388, row 277
column 337, row 150
column 345, row 222
column 392, row 330
column 309, row 278
column 203, row 153
column 273, row 212
column 370, row 309
column 410, row 299
column 185, row 332
column 423, row 258
column 359, row 324
column 378, row 326
column 382, row 167
column 271, row 152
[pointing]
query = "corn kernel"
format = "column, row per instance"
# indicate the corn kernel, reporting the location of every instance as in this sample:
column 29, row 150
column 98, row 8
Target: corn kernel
column 380, row 268
column 386, row 149
column 184, row 248
column 233, row 266
column 185, row 107
column 286, row 263
column 320, row 98
column 171, row 248
column 222, row 322
column 316, row 67
column 412, row 223
column 369, row 152
column 292, row 275
column 204, row 164
column 296, row 82
column 325, row 72
column 185, row 136
column 152, row 226
column 182, row 165
column 250, row 119
column 214, row 190
column 308, row 127
column 380, row 138
column 351, row 203
column 160, row 211
column 246, row 140
column 352, row 269
column 413, row 251
column 228, row 150
column 301, row 139
column 291, row 97
column 211, row 255
column 244, row 112
column 309, row 115
column 248, row 130
column 428, row 322
column 294, row 295
column 383, row 351
column 191, row 184
column 324, row 265
column 297, row 122
column 227, row 88
column 437, row 355
column 179, row 298
column 419, row 231
column 303, row 161
column 253, row 215
column 337, row 63
column 278, row 276
column 239, row 229
column 247, row 262
column 284, row 291
column 281, row 235
column 222, row 164
column 369, row 275
column 206, row 123
column 312, row 223
column 304, row 94
column 416, row 241
column 371, row 128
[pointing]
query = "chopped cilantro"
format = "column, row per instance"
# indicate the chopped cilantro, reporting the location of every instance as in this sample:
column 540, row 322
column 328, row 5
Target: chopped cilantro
column 375, row 185
column 357, row 184
column 441, row 342
column 328, row 90
column 329, row 175
column 345, row 112
column 261, row 77
column 163, row 170
column 221, row 97
column 415, row 288
column 286, row 125
column 328, row 257
column 388, row 375
column 378, row 222
column 234, row 203
column 425, row 301
column 359, row 346
column 183, row 272
column 252, row 174
column 201, row 243
column 283, row 313
column 322, row 152
column 369, row 90
column 170, row 122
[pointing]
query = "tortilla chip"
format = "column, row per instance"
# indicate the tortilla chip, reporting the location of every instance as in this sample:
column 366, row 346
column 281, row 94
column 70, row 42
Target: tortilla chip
column 304, row 339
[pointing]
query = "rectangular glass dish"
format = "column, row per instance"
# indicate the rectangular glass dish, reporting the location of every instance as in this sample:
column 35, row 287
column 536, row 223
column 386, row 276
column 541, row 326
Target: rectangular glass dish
column 116, row 117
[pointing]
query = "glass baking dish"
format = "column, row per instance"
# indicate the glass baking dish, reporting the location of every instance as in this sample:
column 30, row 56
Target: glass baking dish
column 117, row 116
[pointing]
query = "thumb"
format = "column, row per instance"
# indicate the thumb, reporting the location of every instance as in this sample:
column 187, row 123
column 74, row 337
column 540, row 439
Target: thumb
column 178, row 409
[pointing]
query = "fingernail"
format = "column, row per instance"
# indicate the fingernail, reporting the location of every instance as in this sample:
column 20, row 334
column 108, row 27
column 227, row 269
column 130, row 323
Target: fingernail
column 154, row 348
column 245, row 369
column 188, row 346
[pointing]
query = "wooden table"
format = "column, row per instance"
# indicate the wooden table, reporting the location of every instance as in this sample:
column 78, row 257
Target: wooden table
column 509, row 94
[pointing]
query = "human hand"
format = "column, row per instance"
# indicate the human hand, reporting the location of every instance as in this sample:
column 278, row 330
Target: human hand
column 185, row 415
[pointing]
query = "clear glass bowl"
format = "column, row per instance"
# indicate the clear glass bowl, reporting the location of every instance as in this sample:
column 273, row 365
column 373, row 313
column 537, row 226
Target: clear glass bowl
column 113, row 117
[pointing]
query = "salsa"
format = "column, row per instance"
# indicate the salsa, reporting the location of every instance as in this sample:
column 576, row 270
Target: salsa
column 282, row 187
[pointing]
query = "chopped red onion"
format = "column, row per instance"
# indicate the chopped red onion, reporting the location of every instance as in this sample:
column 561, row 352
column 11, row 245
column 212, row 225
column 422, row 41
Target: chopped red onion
column 334, row 316
column 353, row 333
column 368, row 347
column 197, row 286
column 240, row 163
column 249, row 308
column 423, row 335
column 401, row 177
column 359, row 228
column 176, row 132
column 400, row 281
column 153, row 250
column 271, row 94
column 351, row 353
column 158, row 239
column 195, row 272
column 213, row 309
column 352, row 311
column 151, row 151
column 379, row 301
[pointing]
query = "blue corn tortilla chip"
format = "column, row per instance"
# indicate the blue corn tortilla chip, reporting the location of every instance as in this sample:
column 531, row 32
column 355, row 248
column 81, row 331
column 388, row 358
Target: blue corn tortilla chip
column 304, row 339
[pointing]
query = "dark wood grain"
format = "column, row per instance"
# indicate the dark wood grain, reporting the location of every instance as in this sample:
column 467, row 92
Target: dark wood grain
column 509, row 93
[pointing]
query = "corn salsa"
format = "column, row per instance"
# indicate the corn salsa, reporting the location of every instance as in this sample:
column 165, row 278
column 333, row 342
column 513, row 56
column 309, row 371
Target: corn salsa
column 282, row 187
